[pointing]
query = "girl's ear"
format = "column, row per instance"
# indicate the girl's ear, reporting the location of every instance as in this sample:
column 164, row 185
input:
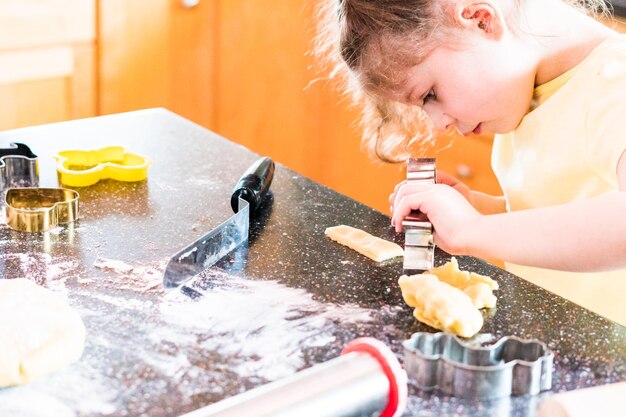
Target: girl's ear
column 483, row 16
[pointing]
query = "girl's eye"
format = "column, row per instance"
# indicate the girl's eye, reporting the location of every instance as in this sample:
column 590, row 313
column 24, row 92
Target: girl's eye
column 429, row 96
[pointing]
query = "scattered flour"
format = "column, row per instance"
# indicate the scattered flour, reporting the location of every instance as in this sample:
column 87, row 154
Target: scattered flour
column 261, row 326
column 41, row 268
column 140, row 278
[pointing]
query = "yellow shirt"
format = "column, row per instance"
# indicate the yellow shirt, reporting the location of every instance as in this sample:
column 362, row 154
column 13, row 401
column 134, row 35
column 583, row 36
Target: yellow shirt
column 565, row 149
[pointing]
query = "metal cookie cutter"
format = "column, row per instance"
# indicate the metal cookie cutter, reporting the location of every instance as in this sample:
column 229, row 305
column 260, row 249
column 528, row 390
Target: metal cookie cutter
column 18, row 167
column 511, row 366
column 40, row 209
column 79, row 168
column 419, row 246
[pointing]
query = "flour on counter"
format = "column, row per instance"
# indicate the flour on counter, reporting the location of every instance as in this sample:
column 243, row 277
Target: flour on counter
column 262, row 327
column 41, row 268
column 140, row 278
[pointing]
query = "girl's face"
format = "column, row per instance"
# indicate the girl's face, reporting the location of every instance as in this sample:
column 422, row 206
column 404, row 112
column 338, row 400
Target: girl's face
column 481, row 85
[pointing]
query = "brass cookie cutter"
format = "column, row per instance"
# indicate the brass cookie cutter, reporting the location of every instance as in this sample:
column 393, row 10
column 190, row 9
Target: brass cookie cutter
column 511, row 366
column 18, row 167
column 40, row 209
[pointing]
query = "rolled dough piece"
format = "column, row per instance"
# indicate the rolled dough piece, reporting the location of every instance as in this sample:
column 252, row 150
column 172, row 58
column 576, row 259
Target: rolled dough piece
column 371, row 246
column 39, row 332
column 478, row 287
column 441, row 305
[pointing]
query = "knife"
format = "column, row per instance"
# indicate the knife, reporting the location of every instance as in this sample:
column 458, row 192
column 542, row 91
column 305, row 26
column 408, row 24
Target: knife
column 246, row 200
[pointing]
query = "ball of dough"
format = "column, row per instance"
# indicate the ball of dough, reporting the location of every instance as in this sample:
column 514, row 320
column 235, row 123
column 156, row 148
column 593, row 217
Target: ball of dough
column 39, row 332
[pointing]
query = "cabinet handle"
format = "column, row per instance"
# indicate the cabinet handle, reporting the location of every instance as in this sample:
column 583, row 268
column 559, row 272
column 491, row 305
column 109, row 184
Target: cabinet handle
column 464, row 171
column 189, row 4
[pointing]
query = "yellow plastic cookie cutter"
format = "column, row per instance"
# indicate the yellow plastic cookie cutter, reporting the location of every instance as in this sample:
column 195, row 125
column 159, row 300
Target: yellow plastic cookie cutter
column 80, row 168
column 40, row 209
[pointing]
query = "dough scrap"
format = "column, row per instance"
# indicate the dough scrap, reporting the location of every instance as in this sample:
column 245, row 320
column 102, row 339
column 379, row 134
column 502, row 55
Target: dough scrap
column 441, row 305
column 449, row 299
column 39, row 332
column 478, row 287
column 450, row 273
column 371, row 246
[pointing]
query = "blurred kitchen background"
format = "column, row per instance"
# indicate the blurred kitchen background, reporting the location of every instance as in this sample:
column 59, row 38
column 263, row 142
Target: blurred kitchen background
column 241, row 68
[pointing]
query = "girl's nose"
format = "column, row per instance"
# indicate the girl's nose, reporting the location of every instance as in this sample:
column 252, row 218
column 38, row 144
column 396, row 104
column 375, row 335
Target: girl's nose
column 441, row 121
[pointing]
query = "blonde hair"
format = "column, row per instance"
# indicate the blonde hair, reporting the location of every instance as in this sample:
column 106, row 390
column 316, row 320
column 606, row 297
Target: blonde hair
column 366, row 42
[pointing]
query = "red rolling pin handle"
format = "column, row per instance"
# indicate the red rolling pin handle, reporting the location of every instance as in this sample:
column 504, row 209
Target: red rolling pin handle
column 398, row 391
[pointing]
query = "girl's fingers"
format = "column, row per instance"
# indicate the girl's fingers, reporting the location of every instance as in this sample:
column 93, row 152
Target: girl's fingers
column 404, row 207
column 408, row 189
column 395, row 191
column 398, row 185
column 392, row 196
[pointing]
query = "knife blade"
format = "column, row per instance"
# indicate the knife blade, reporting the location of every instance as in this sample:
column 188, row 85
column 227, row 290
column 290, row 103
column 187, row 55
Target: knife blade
column 246, row 201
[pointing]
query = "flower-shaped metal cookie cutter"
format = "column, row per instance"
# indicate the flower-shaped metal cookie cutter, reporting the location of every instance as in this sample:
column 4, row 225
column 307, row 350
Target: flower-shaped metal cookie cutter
column 18, row 167
column 40, row 209
column 80, row 168
column 511, row 366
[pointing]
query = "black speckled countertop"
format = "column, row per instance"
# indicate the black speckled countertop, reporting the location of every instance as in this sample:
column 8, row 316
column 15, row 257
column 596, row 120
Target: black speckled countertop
column 293, row 300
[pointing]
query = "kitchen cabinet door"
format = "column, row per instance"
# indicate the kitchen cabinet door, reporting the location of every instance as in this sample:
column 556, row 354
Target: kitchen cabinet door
column 158, row 56
column 47, row 61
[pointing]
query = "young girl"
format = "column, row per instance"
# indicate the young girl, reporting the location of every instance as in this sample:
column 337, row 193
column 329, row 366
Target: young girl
column 550, row 81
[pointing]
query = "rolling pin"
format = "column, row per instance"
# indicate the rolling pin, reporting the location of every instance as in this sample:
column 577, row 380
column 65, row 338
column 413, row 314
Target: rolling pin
column 366, row 379
column 604, row 401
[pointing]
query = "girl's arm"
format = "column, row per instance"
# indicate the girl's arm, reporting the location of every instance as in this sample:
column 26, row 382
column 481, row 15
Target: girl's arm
column 587, row 235
column 488, row 204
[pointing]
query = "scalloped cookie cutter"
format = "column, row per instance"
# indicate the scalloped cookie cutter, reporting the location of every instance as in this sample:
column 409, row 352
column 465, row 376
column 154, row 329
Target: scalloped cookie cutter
column 40, row 209
column 511, row 366
column 81, row 168
column 19, row 167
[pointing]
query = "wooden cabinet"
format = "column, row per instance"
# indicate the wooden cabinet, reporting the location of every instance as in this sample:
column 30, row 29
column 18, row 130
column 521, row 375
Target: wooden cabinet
column 158, row 56
column 47, row 61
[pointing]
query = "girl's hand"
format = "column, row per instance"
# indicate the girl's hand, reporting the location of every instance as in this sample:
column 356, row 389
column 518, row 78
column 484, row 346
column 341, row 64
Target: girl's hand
column 451, row 214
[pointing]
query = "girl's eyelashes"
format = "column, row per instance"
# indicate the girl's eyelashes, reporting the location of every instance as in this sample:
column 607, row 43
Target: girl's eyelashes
column 429, row 96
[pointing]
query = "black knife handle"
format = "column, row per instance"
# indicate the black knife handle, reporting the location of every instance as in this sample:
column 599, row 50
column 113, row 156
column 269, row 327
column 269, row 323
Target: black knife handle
column 253, row 185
